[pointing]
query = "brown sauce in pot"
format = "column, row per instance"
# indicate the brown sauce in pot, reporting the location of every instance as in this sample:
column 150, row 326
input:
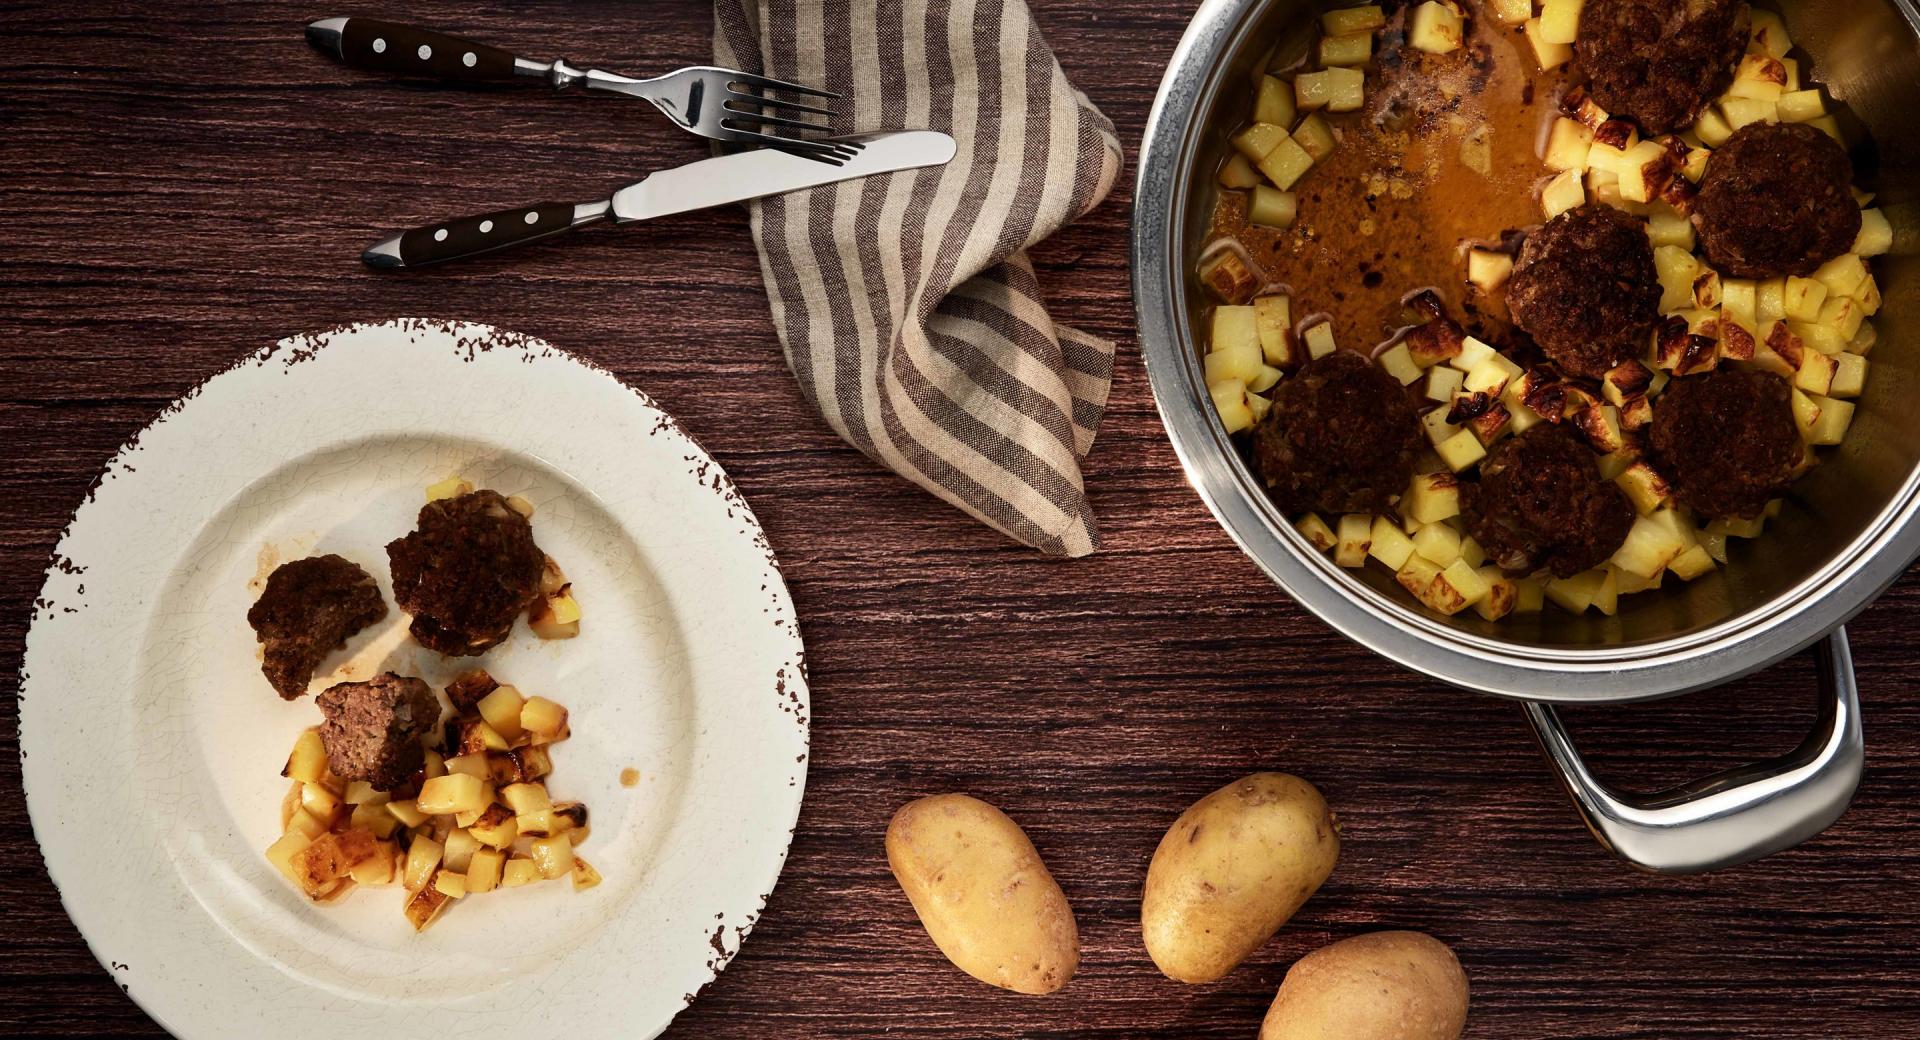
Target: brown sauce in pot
column 1444, row 152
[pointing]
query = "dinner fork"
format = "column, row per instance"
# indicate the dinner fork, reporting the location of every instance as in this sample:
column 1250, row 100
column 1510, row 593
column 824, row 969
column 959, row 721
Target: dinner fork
column 717, row 103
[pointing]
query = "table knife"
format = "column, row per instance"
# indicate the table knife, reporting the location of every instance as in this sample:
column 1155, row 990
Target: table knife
column 740, row 177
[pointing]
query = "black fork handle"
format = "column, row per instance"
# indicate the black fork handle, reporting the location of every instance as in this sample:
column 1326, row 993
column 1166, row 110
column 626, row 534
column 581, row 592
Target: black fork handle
column 408, row 50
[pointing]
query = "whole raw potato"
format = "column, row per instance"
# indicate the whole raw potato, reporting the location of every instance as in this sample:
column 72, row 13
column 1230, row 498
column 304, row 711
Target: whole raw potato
column 1231, row 870
column 982, row 893
column 1379, row 986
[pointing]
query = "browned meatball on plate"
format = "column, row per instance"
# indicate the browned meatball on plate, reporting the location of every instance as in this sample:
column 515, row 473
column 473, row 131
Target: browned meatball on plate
column 309, row 609
column 1777, row 199
column 1726, row 440
column 1659, row 62
column 465, row 573
column 373, row 729
column 1541, row 504
column 1586, row 290
column 1340, row 438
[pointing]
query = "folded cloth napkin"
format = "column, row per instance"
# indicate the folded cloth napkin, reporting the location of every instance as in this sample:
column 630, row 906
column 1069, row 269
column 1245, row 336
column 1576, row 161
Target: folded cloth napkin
column 906, row 303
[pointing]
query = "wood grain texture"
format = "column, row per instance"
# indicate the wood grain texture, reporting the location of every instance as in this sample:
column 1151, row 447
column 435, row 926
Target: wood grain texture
column 180, row 184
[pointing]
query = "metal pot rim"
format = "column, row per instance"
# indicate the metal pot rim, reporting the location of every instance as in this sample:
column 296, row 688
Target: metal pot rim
column 1743, row 643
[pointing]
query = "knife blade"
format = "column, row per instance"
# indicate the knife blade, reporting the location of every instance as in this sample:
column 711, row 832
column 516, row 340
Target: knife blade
column 740, row 177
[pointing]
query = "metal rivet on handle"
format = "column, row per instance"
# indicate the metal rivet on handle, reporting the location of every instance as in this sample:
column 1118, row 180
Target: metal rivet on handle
column 486, row 226
column 532, row 217
column 379, row 45
column 440, row 235
column 425, row 52
column 468, row 59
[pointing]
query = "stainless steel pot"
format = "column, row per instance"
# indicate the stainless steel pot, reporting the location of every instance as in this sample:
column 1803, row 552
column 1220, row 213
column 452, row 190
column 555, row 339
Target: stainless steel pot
column 1848, row 532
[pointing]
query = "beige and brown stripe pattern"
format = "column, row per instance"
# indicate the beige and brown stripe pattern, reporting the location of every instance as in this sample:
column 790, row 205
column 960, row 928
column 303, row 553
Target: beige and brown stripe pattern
column 906, row 303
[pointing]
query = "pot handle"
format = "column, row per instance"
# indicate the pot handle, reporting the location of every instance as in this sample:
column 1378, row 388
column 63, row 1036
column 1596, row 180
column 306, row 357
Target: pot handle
column 1737, row 815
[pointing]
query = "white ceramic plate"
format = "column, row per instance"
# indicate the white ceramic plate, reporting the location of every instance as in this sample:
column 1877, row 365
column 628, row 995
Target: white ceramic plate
column 152, row 745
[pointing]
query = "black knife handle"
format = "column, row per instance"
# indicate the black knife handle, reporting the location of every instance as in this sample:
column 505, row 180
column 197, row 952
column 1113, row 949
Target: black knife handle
column 472, row 236
column 370, row 43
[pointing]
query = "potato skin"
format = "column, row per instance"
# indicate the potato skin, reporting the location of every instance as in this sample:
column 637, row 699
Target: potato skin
column 1231, row 870
column 983, row 894
column 1378, row 986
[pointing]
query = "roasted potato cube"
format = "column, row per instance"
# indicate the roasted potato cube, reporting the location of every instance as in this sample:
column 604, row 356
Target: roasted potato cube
column 1437, row 27
column 555, row 617
column 282, row 851
column 1272, row 207
column 1876, row 234
column 1273, row 325
column 1649, row 547
column 1741, row 112
column 1550, row 55
column 1238, row 174
column 1560, row 20
column 1569, row 145
column 1488, row 271
column 553, row 856
column 1287, row 163
column 496, row 827
column 483, row 872
column 450, row 883
column 530, row 763
column 379, row 869
column 1577, row 593
column 1316, row 532
column 1761, row 77
column 1346, row 49
column 1345, row 20
column 1274, row 107
column 1512, row 12
column 501, row 710
column 453, row 793
column 1315, row 136
column 539, row 823
column 1319, row 339
column 519, row 871
column 308, row 761
column 1770, row 33
column 526, row 798
column 458, row 851
column 1258, row 140
column 1232, row 403
column 424, row 905
column 468, row 688
column 320, row 866
column 374, row 819
column 1398, row 362
column 1712, row 128
column 1461, row 450
column 1849, row 376
column 423, row 858
column 1644, row 485
column 1830, row 425
column 1443, row 385
column 1226, row 275
column 584, row 876
column 407, row 812
column 1800, row 106
column 1355, row 539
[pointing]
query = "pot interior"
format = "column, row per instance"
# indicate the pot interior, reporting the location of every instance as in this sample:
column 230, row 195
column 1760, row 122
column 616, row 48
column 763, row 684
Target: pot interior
column 1865, row 55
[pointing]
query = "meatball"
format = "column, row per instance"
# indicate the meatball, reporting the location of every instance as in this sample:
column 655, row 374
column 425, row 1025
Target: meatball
column 467, row 570
column 1340, row 438
column 308, row 610
column 373, row 729
column 1540, row 504
column 1659, row 62
column 1586, row 290
column 1777, row 199
column 1726, row 440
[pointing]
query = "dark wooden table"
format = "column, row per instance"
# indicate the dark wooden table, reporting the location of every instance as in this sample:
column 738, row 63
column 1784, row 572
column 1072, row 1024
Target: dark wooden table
column 180, row 184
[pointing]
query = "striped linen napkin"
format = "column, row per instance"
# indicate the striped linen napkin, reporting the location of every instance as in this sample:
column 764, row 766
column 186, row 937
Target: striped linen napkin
column 906, row 304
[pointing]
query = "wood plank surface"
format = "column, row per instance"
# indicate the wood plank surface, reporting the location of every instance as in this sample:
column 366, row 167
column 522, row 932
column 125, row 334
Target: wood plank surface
column 182, row 183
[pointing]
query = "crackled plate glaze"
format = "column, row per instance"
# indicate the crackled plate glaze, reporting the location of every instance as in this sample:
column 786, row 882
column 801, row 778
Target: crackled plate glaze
column 152, row 745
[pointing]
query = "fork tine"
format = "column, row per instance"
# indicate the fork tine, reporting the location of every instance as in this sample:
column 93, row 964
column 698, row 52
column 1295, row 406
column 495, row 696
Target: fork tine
column 737, row 120
column 764, row 83
column 776, row 103
column 838, row 151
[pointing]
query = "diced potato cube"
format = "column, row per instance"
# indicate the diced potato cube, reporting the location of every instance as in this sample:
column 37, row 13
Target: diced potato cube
column 1416, row 574
column 1849, row 376
column 1346, row 89
column 1487, row 271
column 1473, row 354
column 1312, row 91
column 1272, row 207
column 1550, row 55
column 1461, row 450
column 458, row 850
column 377, row 869
column 1355, row 539
column 495, row 827
column 1560, row 20
column 519, row 872
column 1677, row 270
column 1273, row 327
column 501, row 710
column 374, row 819
column 1577, row 593
column 1649, row 547
column 1761, row 77
column 1466, row 582
column 1235, row 327
column 407, row 812
column 1316, row 532
column 1803, row 298
column 584, row 876
column 1741, row 112
column 423, row 858
column 308, row 761
column 1314, row 135
column 359, row 792
column 526, row 798
column 1647, row 489
column 1238, row 173
column 1274, row 106
column 1259, row 140
column 1512, row 12
column 424, row 905
column 1389, row 544
column 483, row 871
column 1230, row 402
column 1770, row 33
column 544, row 720
column 1346, row 20
column 553, row 856
column 1530, row 595
column 1437, row 28
column 474, row 765
column 1398, row 362
column 1665, row 227
column 1843, row 315
column 1319, row 339
column 320, row 866
column 451, row 487
column 1433, row 497
column 1830, row 426
column 1438, row 542
column 453, row 793
column 1443, row 385
column 1268, row 378
column 1644, row 171
column 1286, row 164
column 1864, row 342
column 1821, row 337
column 1713, row 128
column 281, row 853
column 1830, row 126
column 1876, row 234
column 1800, row 106
column 1226, row 275
column 1347, row 49
column 450, row 884
column 1563, row 193
column 1502, row 594
column 1436, row 424
column 1259, row 406
column 1237, row 362
column 1691, row 564
column 1844, row 275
